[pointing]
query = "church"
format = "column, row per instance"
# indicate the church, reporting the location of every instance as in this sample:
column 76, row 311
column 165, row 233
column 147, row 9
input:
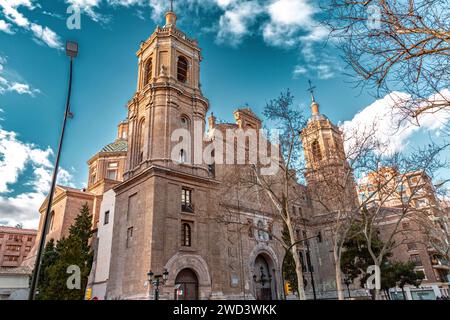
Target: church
column 184, row 230
column 180, row 219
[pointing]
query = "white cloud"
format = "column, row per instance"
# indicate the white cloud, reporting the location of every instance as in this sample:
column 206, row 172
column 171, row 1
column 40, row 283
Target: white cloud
column 9, row 85
column 5, row 27
column 383, row 120
column 234, row 24
column 16, row 157
column 22, row 88
column 298, row 71
column 42, row 34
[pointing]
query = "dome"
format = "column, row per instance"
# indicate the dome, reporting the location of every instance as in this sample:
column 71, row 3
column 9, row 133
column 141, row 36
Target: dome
column 120, row 145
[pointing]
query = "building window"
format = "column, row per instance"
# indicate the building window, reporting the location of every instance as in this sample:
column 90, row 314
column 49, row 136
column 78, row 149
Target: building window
column 29, row 239
column 182, row 68
column 262, row 234
column 184, row 122
column 141, row 140
column 317, row 154
column 148, row 72
column 250, row 228
column 112, row 171
column 27, row 249
column 186, row 200
column 12, row 258
column 13, row 248
column 302, row 261
column 129, row 236
column 52, row 221
column 106, row 220
column 93, row 175
column 15, row 238
column 186, row 235
column 182, row 156
column 415, row 258
column 411, row 246
column 111, row 174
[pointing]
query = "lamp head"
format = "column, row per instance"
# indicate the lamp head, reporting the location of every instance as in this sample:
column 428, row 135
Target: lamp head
column 71, row 49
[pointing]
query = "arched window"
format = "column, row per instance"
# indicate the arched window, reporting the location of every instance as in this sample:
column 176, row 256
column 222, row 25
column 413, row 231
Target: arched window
column 141, row 140
column 315, row 148
column 182, row 156
column 148, row 72
column 262, row 235
column 184, row 122
column 182, row 69
column 52, row 222
column 186, row 235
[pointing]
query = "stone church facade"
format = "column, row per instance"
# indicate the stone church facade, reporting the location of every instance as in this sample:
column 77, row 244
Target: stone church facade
column 216, row 238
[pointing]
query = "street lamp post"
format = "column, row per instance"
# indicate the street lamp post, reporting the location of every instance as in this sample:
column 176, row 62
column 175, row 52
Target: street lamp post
column 72, row 52
column 157, row 280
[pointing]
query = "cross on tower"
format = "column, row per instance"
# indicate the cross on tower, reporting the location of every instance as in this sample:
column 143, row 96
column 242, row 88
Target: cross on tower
column 311, row 90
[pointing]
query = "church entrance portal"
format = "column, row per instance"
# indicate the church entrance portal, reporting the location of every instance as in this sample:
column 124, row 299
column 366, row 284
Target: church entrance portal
column 186, row 285
column 263, row 279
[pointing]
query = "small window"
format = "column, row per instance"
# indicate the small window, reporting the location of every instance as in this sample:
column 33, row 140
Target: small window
column 141, row 141
column 106, row 220
column 113, row 165
column 93, row 175
column 262, row 234
column 186, row 200
column 148, row 72
column 308, row 262
column 29, row 239
column 411, row 246
column 250, row 228
column 182, row 68
column 415, row 258
column 111, row 174
column 186, row 235
column 52, row 221
column 184, row 122
column 129, row 236
column 182, row 156
column 317, row 154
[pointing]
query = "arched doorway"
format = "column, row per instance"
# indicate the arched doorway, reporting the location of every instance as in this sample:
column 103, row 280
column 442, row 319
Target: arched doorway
column 263, row 279
column 186, row 285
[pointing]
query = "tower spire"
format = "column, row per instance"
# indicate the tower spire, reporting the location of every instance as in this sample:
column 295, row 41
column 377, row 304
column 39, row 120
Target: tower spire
column 171, row 17
column 311, row 90
column 314, row 104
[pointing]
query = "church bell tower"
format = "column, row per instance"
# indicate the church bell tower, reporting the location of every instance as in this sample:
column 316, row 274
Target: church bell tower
column 168, row 97
column 328, row 174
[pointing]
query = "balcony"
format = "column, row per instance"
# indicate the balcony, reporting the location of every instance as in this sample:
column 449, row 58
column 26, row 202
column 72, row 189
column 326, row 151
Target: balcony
column 440, row 264
column 187, row 207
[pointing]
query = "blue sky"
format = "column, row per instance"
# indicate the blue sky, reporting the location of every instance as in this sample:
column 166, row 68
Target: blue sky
column 252, row 51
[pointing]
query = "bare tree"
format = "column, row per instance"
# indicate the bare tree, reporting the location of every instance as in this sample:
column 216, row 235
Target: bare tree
column 395, row 45
column 399, row 188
